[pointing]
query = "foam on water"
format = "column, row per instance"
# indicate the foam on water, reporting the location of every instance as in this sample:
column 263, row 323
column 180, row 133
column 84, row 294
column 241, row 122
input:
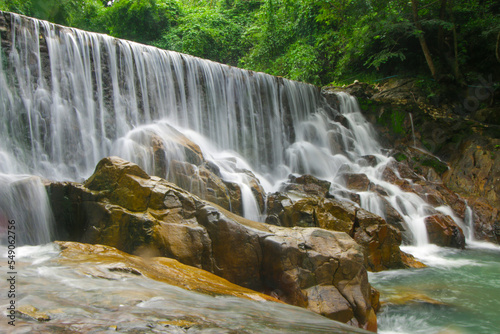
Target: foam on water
column 435, row 256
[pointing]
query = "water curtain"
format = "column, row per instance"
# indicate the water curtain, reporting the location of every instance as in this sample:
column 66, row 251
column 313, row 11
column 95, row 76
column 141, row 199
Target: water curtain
column 68, row 98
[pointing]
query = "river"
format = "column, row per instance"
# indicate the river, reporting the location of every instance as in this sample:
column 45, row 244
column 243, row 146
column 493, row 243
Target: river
column 459, row 292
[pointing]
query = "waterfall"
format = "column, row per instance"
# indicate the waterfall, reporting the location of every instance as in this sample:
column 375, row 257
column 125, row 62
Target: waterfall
column 68, row 98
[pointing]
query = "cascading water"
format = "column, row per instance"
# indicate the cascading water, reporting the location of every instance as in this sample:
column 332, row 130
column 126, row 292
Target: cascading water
column 69, row 98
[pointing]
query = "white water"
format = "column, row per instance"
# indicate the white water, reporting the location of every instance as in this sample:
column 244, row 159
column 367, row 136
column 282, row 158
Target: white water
column 96, row 96
column 84, row 296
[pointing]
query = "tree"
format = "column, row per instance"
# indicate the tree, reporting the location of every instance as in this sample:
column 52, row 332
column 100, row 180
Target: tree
column 421, row 38
column 141, row 20
column 205, row 32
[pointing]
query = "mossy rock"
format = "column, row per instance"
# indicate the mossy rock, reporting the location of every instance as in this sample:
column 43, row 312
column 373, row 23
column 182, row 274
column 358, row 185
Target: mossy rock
column 439, row 166
column 400, row 157
column 394, row 120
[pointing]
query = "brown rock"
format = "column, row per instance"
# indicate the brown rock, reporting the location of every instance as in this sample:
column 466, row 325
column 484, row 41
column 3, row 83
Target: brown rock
column 369, row 160
column 170, row 271
column 410, row 261
column 486, row 221
column 288, row 263
column 307, row 185
column 203, row 182
column 375, row 299
column 389, row 175
column 475, row 170
column 319, row 282
column 380, row 240
column 358, row 182
column 443, row 231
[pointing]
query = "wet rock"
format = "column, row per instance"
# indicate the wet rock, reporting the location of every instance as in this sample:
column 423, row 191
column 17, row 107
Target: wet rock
column 411, row 297
column 357, row 88
column 425, row 162
column 393, row 217
column 181, row 161
column 434, row 193
column 358, row 182
column 375, row 299
column 410, row 261
column 486, row 221
column 368, row 160
column 441, row 143
column 32, row 312
column 203, row 182
column 139, row 214
column 257, row 190
column 443, row 231
column 380, row 241
column 307, row 185
column 110, row 263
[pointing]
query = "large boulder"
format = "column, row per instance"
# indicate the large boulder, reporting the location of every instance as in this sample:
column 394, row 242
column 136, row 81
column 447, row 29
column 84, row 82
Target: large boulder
column 205, row 181
column 486, row 220
column 379, row 240
column 109, row 263
column 123, row 207
column 443, row 231
column 355, row 181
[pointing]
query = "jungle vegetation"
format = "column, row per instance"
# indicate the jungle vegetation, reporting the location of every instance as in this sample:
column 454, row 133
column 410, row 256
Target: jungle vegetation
column 316, row 41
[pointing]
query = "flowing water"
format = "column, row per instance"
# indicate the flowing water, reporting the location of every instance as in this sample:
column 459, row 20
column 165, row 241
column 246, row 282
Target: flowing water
column 77, row 302
column 68, row 98
column 458, row 293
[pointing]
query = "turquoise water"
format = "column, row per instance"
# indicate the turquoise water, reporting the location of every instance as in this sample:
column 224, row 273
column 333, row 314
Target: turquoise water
column 459, row 292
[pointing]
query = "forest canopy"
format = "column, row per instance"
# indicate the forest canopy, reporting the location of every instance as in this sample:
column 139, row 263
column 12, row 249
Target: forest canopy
column 316, row 41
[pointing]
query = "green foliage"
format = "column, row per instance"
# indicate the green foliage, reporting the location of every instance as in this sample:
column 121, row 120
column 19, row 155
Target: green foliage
column 206, row 33
column 55, row 11
column 400, row 157
column 318, row 41
column 283, row 39
column 91, row 16
column 394, row 119
column 439, row 166
column 300, row 63
column 16, row 6
column 141, row 20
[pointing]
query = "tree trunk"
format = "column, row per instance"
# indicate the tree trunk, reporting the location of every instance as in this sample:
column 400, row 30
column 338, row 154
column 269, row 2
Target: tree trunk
column 456, row 66
column 442, row 13
column 421, row 38
column 498, row 44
